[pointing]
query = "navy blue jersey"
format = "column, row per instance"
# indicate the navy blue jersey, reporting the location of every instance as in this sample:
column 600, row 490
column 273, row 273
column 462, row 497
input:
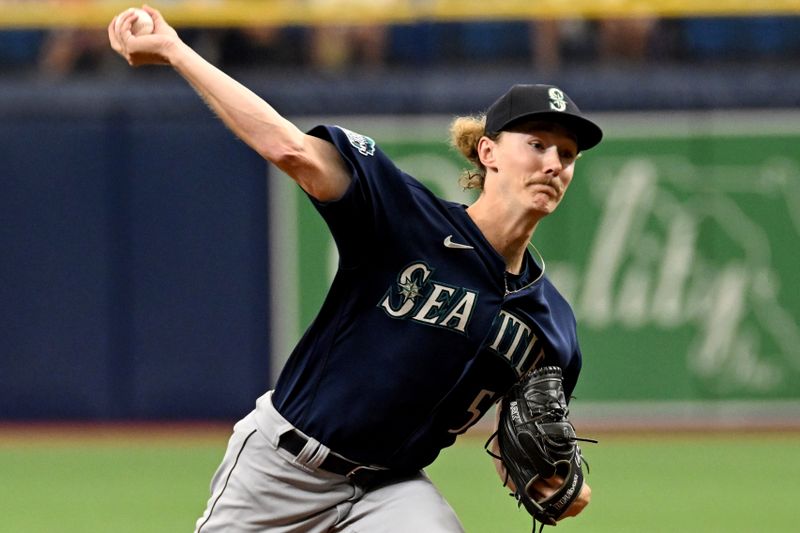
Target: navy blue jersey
column 421, row 331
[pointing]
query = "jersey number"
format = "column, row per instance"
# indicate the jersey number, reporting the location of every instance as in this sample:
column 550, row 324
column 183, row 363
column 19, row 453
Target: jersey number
column 479, row 405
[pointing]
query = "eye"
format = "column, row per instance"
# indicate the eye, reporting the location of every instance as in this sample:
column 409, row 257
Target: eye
column 568, row 156
column 537, row 144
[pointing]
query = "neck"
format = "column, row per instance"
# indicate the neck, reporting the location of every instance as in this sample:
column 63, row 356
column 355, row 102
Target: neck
column 509, row 233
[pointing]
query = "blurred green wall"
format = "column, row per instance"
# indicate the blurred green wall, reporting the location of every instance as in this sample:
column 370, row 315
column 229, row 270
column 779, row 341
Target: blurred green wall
column 676, row 246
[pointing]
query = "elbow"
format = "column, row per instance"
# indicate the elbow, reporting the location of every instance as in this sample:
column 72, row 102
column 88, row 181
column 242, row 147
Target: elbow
column 314, row 165
column 279, row 142
column 294, row 162
column 285, row 155
column 298, row 164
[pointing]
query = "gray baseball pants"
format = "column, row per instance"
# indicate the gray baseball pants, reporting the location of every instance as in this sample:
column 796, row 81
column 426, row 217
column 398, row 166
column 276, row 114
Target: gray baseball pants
column 260, row 487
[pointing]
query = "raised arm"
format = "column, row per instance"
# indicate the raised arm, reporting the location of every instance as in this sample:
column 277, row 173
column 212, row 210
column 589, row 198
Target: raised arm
column 313, row 163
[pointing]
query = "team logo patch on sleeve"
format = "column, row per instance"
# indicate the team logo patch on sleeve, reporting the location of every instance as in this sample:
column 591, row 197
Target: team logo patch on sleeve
column 362, row 143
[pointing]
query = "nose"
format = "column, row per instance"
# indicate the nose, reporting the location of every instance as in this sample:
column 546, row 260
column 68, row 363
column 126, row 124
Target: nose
column 552, row 161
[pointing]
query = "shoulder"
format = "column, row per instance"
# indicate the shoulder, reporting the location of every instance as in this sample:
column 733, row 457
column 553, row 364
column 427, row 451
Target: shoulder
column 345, row 140
column 557, row 302
column 369, row 163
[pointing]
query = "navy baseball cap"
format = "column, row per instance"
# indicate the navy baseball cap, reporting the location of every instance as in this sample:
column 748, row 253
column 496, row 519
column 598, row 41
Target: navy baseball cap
column 542, row 102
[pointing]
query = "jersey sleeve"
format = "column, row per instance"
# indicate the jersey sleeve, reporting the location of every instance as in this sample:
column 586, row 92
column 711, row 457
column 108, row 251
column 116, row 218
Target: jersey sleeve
column 363, row 219
column 571, row 372
column 568, row 356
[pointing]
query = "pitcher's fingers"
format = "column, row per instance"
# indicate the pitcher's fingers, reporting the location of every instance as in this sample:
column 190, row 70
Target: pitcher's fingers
column 118, row 20
column 127, row 17
column 112, row 36
column 125, row 27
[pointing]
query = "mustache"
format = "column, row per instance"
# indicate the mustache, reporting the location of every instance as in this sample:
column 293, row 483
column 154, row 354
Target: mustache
column 553, row 182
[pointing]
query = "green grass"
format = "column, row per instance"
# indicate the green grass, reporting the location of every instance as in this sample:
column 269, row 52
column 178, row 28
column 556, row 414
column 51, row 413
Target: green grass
column 105, row 487
column 690, row 483
column 716, row 483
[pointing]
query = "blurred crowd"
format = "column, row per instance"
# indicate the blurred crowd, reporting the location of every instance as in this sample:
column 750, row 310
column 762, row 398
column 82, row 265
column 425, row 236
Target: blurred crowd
column 545, row 45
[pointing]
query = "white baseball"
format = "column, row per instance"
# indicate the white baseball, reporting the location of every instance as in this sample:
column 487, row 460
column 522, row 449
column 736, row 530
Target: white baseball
column 144, row 24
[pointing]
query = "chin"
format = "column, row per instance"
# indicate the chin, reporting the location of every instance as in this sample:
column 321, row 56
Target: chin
column 544, row 204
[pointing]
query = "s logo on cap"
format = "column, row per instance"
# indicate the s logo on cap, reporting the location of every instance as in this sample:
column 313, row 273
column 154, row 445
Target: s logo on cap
column 557, row 101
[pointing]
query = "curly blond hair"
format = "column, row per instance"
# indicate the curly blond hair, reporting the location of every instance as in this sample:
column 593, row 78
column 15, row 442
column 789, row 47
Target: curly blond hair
column 465, row 132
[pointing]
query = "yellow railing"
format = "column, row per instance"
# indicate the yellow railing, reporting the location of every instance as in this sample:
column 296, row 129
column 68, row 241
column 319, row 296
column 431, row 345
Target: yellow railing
column 219, row 13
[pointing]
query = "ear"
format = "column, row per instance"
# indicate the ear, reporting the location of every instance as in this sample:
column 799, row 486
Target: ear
column 486, row 152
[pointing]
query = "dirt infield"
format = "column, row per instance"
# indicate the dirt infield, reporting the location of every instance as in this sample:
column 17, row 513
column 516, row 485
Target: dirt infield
column 61, row 433
column 78, row 433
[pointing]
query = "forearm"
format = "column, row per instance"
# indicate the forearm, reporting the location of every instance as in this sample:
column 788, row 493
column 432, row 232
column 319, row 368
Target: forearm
column 247, row 115
column 313, row 163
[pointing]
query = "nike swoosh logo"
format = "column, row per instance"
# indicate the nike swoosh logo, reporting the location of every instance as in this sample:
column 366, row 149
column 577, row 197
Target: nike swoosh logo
column 448, row 242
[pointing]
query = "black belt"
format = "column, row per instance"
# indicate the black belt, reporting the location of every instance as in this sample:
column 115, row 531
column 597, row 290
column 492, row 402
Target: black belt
column 364, row 475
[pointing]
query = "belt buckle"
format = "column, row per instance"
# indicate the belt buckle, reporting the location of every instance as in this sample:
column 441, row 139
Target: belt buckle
column 355, row 471
column 365, row 475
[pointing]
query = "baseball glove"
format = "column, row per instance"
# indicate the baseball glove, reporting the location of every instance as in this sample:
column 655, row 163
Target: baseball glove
column 537, row 441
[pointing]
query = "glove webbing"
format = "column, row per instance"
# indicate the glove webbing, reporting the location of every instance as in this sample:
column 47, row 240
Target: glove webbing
column 574, row 481
column 537, row 441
